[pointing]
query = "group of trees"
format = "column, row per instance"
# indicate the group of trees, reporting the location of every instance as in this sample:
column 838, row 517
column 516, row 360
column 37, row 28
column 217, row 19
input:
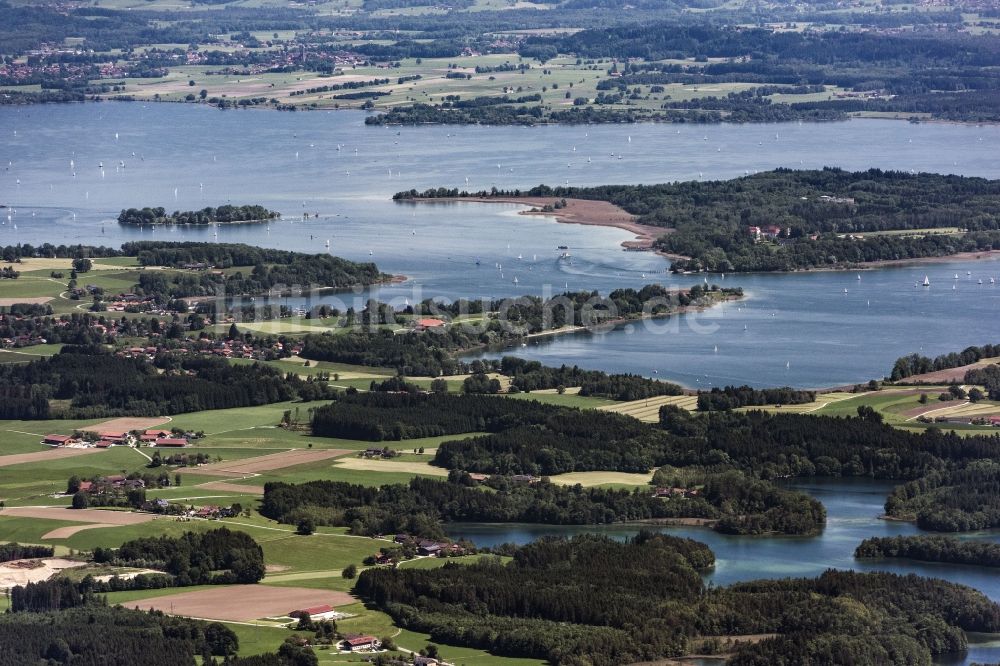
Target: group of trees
column 378, row 416
column 988, row 377
column 594, row 601
column 932, row 549
column 915, row 364
column 16, row 551
column 220, row 556
column 731, row 397
column 225, row 214
column 96, row 383
column 528, row 376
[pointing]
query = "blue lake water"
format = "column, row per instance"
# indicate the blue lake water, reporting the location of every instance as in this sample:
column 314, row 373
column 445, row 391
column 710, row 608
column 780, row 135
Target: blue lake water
column 801, row 330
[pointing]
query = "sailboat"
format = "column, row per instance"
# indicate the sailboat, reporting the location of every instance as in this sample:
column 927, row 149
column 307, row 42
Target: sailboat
column 927, row 281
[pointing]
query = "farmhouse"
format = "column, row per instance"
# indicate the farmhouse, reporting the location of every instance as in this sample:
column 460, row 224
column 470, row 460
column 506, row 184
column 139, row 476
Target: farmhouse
column 357, row 643
column 59, row 440
column 116, row 436
column 315, row 612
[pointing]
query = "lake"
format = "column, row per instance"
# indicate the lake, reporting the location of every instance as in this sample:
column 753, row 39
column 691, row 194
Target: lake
column 802, row 330
column 852, row 506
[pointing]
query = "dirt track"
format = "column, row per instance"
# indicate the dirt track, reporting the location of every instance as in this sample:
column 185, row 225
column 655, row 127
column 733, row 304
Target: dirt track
column 48, row 454
column 232, row 487
column 78, row 515
column 267, row 463
column 243, row 603
column 126, row 424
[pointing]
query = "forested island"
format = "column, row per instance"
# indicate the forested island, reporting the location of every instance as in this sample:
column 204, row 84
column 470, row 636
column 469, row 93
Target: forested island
column 226, row 214
column 591, row 600
column 932, row 549
column 787, row 220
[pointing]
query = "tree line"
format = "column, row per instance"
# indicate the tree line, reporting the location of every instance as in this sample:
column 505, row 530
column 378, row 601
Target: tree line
column 932, row 549
column 916, row 364
column 17, row 551
column 736, row 505
column 732, row 397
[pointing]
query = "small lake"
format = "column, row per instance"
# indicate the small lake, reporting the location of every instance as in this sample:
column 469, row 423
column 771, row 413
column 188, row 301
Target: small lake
column 852, row 505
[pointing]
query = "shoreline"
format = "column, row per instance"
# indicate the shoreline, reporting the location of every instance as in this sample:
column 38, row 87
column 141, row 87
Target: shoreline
column 588, row 212
column 601, row 213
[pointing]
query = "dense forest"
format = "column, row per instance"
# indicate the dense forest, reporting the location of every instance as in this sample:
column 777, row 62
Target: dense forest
column 378, row 416
column 733, row 503
column 95, row 635
column 915, row 364
column 226, row 214
column 932, row 549
column 91, row 382
column 594, row 601
column 784, row 445
column 807, row 219
column 953, row 500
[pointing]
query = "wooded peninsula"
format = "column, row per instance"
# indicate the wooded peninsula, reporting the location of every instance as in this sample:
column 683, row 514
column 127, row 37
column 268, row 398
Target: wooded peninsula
column 787, row 220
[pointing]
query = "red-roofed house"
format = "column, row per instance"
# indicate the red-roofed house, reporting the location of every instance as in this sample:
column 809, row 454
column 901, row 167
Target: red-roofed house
column 360, row 643
column 171, row 441
column 104, row 444
column 424, row 324
column 156, row 433
column 58, row 440
column 313, row 611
